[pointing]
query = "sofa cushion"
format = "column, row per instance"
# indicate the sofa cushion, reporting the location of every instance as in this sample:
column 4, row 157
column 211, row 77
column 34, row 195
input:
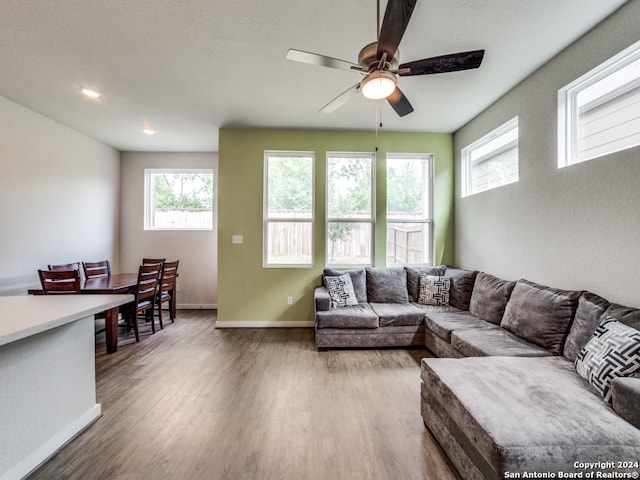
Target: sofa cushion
column 461, row 286
column 613, row 351
column 588, row 316
column 413, row 278
column 434, row 290
column 541, row 315
column 625, row 396
column 526, row 414
column 397, row 314
column 444, row 323
column 358, row 278
column 387, row 285
column 341, row 291
column 494, row 342
column 489, row 298
column 627, row 315
column 357, row 316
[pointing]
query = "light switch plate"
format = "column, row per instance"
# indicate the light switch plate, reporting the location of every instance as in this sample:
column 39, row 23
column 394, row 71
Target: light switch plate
column 237, row 239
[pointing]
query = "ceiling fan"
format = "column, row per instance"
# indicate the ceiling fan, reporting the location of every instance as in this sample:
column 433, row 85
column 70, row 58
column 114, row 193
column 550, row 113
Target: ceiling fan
column 378, row 61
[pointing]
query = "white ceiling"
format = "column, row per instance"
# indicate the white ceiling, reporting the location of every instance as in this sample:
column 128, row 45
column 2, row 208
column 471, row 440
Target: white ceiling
column 186, row 68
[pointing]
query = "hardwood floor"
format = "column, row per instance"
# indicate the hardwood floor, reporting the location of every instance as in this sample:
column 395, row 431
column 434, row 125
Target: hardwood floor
column 193, row 402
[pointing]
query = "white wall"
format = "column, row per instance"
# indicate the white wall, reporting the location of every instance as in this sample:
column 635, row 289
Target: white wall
column 59, row 192
column 196, row 250
column 576, row 227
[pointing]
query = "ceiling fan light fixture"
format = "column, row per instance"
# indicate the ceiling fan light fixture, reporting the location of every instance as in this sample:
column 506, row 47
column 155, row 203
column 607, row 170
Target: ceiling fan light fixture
column 378, row 84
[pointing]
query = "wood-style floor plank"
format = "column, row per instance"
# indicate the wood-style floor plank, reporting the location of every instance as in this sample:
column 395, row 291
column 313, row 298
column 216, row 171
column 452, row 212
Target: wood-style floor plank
column 193, row 402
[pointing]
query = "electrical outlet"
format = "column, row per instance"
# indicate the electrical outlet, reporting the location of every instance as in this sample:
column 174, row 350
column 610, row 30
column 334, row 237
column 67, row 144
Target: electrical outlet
column 289, row 300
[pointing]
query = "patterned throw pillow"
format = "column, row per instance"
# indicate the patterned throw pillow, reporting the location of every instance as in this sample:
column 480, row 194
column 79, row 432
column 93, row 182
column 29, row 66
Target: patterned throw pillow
column 434, row 290
column 341, row 291
column 613, row 351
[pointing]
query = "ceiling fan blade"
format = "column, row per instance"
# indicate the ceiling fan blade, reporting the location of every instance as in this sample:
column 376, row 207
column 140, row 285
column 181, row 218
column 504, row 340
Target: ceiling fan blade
column 320, row 60
column 445, row 63
column 341, row 99
column 400, row 103
column 394, row 24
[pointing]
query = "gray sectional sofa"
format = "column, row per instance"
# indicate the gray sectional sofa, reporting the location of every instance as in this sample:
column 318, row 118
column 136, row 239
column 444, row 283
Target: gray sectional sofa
column 531, row 381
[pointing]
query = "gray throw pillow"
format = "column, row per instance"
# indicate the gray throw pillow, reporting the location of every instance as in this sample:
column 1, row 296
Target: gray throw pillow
column 588, row 316
column 489, row 298
column 434, row 290
column 541, row 315
column 387, row 285
column 341, row 291
column 613, row 351
column 358, row 278
column 413, row 278
column 462, row 282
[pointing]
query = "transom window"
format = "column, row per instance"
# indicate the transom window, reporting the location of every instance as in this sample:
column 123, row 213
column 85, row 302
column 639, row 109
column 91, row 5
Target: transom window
column 350, row 209
column 599, row 113
column 409, row 209
column 491, row 161
column 288, row 209
column 178, row 199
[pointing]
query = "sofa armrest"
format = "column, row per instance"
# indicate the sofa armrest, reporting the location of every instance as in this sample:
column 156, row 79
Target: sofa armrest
column 321, row 299
column 625, row 395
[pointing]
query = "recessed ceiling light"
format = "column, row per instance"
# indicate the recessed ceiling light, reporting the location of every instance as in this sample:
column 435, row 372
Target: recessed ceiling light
column 148, row 131
column 90, row 93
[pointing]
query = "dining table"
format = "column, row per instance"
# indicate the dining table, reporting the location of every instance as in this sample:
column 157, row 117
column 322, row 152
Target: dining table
column 118, row 283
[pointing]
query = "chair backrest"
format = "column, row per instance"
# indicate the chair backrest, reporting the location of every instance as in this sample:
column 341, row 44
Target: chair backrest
column 168, row 279
column 59, row 281
column 96, row 269
column 153, row 261
column 148, row 279
column 67, row 266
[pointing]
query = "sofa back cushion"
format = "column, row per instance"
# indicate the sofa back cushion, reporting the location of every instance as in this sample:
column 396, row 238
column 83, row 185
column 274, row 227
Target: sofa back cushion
column 541, row 315
column 590, row 310
column 628, row 315
column 358, row 279
column 413, row 279
column 489, row 298
column 461, row 286
column 387, row 285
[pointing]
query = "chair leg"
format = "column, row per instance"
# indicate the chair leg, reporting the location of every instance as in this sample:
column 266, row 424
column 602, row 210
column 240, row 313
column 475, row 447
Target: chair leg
column 148, row 314
column 135, row 326
column 160, row 315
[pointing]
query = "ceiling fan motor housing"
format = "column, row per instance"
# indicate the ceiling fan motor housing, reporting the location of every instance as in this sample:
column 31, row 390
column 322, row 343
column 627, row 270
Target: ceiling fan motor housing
column 368, row 58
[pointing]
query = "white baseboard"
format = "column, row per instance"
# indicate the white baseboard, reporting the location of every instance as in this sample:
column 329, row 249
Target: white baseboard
column 265, row 324
column 196, row 306
column 51, row 446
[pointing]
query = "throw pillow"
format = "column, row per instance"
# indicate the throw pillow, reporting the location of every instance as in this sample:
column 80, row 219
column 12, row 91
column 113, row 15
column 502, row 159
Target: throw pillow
column 358, row 278
column 613, row 351
column 341, row 291
column 434, row 290
column 413, row 279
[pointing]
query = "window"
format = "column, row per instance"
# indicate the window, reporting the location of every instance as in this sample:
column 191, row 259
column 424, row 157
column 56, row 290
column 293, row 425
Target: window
column 178, row 199
column 491, row 161
column 350, row 209
column 599, row 113
column 288, row 209
column 409, row 231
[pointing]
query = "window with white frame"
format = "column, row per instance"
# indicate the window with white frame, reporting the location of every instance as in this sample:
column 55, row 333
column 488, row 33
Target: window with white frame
column 491, row 161
column 599, row 113
column 288, row 209
column 178, row 199
column 409, row 207
column 350, row 209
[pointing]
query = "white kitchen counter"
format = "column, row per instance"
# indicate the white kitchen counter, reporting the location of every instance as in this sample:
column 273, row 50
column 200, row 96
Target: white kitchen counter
column 47, row 375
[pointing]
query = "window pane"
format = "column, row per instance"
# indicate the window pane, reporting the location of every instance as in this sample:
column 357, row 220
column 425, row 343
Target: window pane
column 290, row 187
column 349, row 186
column 349, row 243
column 289, row 243
column 179, row 200
column 407, row 188
column 408, row 243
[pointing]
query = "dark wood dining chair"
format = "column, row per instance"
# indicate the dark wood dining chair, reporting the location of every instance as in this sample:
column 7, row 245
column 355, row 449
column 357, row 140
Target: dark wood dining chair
column 59, row 281
column 145, row 296
column 96, row 269
column 67, row 266
column 167, row 289
column 152, row 261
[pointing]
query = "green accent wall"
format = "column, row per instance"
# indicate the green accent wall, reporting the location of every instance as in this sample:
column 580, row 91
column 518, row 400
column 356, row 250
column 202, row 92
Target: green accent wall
column 247, row 291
